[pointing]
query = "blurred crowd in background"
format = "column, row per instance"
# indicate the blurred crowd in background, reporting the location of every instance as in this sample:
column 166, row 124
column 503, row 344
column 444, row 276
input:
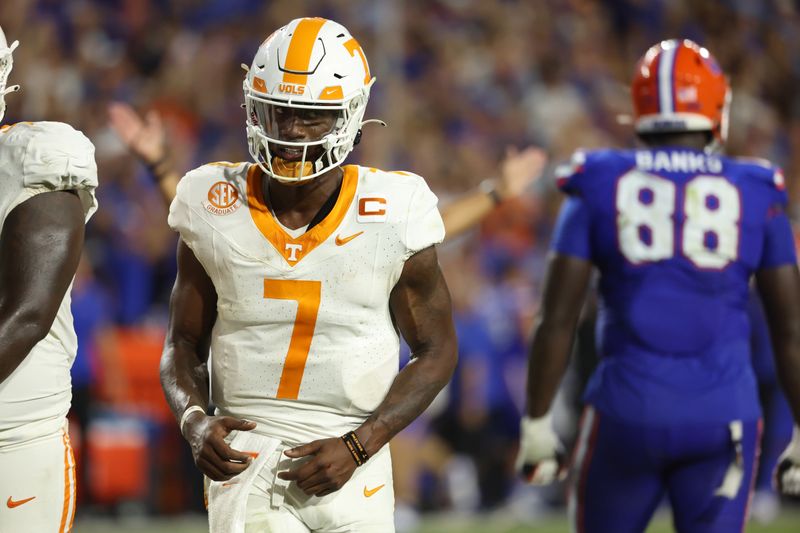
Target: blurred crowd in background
column 458, row 81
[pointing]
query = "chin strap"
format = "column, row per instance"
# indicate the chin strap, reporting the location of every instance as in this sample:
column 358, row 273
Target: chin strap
column 368, row 121
column 12, row 89
column 373, row 121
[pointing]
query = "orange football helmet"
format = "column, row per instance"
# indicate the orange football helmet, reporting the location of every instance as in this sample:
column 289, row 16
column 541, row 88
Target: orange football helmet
column 678, row 86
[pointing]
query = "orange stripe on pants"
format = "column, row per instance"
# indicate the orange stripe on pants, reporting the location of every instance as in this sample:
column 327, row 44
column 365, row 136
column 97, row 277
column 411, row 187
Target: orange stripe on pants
column 68, row 511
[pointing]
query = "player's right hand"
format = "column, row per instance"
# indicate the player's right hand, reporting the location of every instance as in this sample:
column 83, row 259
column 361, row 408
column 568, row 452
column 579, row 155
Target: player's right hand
column 212, row 455
column 787, row 472
column 540, row 460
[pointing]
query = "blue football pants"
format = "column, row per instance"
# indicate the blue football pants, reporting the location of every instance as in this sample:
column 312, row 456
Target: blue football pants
column 622, row 471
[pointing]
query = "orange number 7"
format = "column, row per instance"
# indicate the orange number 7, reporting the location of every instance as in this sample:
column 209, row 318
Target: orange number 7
column 307, row 295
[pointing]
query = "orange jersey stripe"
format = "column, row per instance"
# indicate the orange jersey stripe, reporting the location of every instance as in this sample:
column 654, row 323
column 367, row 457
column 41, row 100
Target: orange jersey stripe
column 274, row 233
column 298, row 56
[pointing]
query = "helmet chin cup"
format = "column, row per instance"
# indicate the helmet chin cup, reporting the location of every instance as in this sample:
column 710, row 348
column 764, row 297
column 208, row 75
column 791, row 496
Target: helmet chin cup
column 293, row 169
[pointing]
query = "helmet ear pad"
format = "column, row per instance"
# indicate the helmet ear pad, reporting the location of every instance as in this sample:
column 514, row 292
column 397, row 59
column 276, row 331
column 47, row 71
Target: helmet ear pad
column 678, row 87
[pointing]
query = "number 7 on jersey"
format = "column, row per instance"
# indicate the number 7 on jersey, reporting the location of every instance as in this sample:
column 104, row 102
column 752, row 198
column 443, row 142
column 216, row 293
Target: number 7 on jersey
column 307, row 295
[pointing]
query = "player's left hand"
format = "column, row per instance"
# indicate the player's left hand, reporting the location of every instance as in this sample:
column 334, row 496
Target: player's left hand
column 327, row 471
column 540, row 459
column 787, row 471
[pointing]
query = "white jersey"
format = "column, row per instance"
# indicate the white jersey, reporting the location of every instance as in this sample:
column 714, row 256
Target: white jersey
column 38, row 157
column 303, row 342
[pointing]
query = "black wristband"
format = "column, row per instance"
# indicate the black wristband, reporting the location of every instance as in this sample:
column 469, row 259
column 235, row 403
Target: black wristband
column 489, row 188
column 356, row 449
column 157, row 168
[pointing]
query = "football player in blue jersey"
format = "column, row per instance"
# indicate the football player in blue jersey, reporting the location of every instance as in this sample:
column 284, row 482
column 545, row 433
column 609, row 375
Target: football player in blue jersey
column 676, row 232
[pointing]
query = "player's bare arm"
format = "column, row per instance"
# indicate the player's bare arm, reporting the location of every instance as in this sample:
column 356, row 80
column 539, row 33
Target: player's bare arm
column 540, row 458
column 779, row 289
column 420, row 304
column 517, row 172
column 184, row 374
column 566, row 281
column 40, row 247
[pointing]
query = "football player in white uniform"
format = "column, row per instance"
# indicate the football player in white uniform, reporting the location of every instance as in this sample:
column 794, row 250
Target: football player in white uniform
column 296, row 274
column 47, row 181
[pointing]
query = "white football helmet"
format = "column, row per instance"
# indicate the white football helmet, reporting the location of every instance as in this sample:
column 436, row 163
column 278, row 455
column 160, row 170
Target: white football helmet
column 311, row 63
column 6, row 62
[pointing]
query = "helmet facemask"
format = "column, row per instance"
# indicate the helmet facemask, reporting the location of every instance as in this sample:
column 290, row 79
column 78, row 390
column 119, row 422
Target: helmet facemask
column 720, row 134
column 315, row 156
column 309, row 65
column 6, row 63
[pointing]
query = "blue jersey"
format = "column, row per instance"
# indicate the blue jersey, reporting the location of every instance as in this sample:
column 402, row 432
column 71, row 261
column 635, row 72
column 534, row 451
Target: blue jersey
column 676, row 235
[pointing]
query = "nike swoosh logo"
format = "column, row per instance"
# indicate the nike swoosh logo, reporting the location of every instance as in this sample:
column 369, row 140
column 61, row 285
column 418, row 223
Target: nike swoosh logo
column 341, row 242
column 11, row 503
column 370, row 492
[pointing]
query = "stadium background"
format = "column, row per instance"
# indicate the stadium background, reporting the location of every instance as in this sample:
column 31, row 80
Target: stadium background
column 457, row 81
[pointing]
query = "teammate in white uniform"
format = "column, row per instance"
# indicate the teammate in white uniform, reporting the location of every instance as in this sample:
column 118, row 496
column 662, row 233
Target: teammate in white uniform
column 47, row 181
column 298, row 273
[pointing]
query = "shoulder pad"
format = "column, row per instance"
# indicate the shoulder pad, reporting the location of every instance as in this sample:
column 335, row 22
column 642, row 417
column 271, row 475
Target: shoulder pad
column 590, row 167
column 55, row 153
column 213, row 172
column 763, row 171
column 396, row 176
column 567, row 173
column 55, row 156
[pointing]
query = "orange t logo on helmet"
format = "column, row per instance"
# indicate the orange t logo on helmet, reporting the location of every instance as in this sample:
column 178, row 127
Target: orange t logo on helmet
column 678, row 86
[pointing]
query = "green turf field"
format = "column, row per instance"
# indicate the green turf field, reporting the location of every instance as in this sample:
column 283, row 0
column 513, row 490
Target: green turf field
column 788, row 522
column 785, row 524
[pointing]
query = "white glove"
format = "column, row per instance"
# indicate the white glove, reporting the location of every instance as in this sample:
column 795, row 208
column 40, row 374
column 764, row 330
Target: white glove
column 787, row 472
column 541, row 457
